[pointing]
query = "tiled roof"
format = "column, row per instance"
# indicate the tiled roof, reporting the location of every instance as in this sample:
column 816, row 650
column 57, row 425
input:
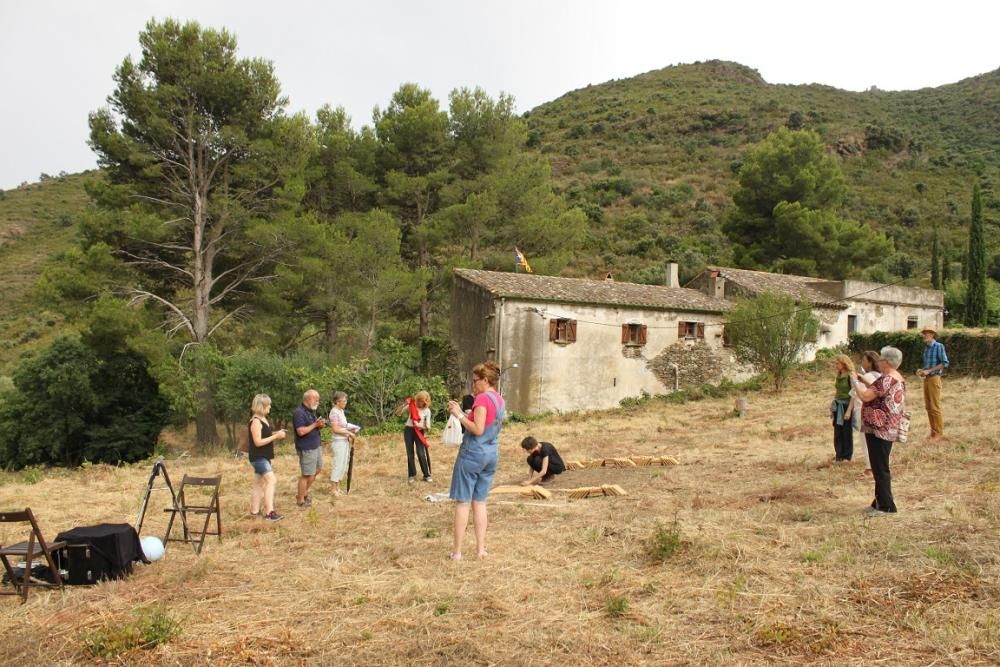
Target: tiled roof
column 799, row 287
column 533, row 287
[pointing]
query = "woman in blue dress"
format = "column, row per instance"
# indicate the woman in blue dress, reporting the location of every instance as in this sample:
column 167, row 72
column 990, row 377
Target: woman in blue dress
column 476, row 462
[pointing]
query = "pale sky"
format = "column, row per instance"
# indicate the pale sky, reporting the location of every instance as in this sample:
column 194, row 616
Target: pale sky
column 57, row 58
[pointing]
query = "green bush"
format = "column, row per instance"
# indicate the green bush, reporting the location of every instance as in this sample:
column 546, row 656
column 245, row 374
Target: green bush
column 376, row 385
column 968, row 353
column 617, row 606
column 72, row 403
column 150, row 628
column 665, row 541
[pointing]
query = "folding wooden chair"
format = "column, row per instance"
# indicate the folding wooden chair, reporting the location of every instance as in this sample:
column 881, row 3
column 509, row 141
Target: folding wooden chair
column 204, row 504
column 33, row 548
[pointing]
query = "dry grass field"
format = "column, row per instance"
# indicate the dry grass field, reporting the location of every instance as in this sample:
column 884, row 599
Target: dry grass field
column 752, row 550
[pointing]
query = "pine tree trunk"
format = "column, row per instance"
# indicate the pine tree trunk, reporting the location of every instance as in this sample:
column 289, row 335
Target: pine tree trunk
column 330, row 333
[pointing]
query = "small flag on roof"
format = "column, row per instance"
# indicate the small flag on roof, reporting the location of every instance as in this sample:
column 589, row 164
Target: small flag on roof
column 521, row 260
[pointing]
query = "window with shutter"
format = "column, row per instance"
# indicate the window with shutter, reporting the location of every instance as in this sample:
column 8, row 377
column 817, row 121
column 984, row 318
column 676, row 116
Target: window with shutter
column 562, row 331
column 690, row 329
column 634, row 334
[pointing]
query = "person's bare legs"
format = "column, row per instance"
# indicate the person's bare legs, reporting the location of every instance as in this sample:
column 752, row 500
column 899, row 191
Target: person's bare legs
column 270, row 481
column 304, row 485
column 257, row 494
column 461, row 523
column 479, row 521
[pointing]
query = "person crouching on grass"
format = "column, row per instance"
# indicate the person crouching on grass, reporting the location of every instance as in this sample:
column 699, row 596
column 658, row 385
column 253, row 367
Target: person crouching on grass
column 544, row 461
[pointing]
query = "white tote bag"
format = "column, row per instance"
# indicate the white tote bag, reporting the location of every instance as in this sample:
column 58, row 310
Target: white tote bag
column 453, row 432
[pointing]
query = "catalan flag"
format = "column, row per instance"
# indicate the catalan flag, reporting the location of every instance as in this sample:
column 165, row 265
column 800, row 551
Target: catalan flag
column 521, row 260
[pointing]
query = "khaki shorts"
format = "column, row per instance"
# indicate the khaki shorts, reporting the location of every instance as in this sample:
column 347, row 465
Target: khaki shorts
column 310, row 461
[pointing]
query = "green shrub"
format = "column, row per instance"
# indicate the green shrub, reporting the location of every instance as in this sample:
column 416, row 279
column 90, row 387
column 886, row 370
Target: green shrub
column 150, row 628
column 73, row 402
column 665, row 541
column 617, row 606
column 968, row 353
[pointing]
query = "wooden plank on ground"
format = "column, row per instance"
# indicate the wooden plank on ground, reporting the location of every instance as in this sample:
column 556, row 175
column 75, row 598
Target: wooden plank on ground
column 518, row 490
column 595, row 491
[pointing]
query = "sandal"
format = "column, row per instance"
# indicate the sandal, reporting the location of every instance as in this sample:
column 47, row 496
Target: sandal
column 454, row 556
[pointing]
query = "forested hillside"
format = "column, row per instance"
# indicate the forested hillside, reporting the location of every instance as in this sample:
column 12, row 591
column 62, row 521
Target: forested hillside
column 654, row 160
column 291, row 235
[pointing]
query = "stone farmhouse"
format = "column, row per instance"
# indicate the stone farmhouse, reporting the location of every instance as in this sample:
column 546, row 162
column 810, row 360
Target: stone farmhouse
column 567, row 344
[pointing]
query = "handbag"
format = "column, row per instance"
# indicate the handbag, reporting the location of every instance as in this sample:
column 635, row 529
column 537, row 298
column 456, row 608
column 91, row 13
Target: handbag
column 904, row 424
column 904, row 427
column 453, row 432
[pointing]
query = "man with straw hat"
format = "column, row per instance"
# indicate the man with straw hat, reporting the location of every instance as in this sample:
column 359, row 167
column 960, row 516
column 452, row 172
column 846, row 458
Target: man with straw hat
column 935, row 360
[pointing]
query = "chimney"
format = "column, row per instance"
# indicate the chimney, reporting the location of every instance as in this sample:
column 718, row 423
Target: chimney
column 717, row 286
column 672, row 280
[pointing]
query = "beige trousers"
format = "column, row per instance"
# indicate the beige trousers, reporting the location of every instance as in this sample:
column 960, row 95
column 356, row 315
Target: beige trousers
column 932, row 401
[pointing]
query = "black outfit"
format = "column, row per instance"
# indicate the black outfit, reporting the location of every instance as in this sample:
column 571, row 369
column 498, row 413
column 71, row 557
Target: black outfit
column 467, row 402
column 413, row 443
column 267, row 451
column 556, row 465
column 843, row 433
column 878, row 453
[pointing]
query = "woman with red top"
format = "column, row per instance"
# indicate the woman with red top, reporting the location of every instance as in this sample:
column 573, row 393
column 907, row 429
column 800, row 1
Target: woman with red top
column 476, row 462
column 884, row 403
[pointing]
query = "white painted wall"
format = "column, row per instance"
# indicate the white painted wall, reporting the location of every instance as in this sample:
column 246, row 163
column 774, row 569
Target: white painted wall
column 596, row 371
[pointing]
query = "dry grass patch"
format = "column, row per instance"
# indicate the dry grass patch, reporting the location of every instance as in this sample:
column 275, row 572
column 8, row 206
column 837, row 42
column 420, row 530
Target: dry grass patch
column 752, row 550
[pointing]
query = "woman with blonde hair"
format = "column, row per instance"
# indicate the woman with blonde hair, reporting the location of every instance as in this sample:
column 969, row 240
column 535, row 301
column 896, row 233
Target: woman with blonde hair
column 840, row 409
column 260, row 452
column 477, row 458
column 418, row 422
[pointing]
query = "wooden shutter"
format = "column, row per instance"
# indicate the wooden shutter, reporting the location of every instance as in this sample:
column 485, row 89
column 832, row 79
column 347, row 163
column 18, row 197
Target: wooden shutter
column 624, row 334
column 642, row 334
column 681, row 329
column 570, row 331
column 553, row 329
column 701, row 330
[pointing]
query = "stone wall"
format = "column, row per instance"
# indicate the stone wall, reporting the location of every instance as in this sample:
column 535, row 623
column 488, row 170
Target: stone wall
column 697, row 364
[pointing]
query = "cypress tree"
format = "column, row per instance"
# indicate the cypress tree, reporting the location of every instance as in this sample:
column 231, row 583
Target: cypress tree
column 975, row 298
column 935, row 258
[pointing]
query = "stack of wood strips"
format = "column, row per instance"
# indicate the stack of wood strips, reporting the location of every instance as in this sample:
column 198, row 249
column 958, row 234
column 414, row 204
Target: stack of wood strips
column 594, row 491
column 622, row 462
column 527, row 491
column 655, row 460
